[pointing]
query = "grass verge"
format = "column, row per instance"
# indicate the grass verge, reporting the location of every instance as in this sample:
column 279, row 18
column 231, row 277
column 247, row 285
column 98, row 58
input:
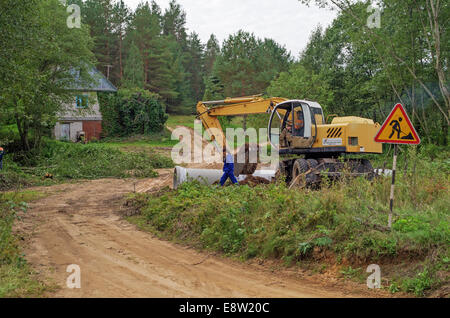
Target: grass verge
column 65, row 161
column 342, row 224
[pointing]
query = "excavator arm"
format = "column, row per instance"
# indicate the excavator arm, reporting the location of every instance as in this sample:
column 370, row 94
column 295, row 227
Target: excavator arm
column 209, row 111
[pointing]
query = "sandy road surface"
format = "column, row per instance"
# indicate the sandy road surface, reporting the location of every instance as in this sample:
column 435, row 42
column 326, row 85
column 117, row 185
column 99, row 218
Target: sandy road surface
column 79, row 224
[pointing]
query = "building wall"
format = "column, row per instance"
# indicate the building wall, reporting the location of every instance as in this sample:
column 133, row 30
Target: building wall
column 92, row 129
column 87, row 120
column 75, row 127
column 71, row 112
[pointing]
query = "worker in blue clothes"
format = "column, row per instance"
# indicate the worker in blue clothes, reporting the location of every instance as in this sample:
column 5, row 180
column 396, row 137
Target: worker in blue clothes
column 228, row 168
column 2, row 152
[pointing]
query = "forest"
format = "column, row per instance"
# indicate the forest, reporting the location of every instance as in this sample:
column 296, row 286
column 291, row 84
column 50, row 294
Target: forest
column 349, row 68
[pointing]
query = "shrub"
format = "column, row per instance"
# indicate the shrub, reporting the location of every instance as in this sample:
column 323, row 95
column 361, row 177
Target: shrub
column 132, row 112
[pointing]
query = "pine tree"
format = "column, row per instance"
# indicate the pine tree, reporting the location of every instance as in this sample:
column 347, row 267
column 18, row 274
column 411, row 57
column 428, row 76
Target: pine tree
column 98, row 15
column 134, row 69
column 211, row 53
column 196, row 65
column 174, row 23
column 120, row 20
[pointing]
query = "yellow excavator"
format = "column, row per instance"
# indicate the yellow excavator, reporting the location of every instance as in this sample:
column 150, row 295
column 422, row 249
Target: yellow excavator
column 309, row 148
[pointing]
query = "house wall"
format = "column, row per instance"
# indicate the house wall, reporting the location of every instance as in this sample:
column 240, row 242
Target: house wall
column 75, row 127
column 71, row 112
column 92, row 129
column 87, row 120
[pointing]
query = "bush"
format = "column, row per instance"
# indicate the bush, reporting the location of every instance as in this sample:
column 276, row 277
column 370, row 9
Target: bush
column 132, row 112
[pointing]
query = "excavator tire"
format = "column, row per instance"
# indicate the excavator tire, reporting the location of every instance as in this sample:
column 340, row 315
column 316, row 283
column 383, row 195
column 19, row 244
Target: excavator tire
column 300, row 167
column 312, row 163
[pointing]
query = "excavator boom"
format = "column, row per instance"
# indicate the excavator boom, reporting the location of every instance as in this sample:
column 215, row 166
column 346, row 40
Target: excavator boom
column 209, row 111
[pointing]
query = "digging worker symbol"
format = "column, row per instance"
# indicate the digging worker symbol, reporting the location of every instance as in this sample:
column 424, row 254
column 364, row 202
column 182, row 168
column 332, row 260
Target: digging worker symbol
column 397, row 129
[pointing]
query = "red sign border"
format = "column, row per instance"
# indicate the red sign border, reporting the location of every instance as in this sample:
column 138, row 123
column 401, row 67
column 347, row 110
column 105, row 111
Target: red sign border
column 408, row 121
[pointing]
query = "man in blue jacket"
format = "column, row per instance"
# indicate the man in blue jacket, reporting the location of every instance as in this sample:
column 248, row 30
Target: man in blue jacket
column 2, row 152
column 228, row 168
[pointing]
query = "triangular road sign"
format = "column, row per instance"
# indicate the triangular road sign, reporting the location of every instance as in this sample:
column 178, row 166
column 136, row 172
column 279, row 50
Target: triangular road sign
column 398, row 129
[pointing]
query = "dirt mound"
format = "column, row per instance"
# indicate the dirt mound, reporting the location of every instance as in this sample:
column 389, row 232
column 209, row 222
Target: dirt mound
column 254, row 181
column 246, row 167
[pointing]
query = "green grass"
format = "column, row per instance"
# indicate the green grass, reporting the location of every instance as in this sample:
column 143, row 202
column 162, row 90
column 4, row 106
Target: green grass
column 68, row 161
column 347, row 219
column 16, row 277
column 160, row 140
column 181, row 120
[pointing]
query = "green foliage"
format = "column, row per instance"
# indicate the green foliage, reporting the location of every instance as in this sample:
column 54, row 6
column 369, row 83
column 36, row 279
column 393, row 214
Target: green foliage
column 67, row 161
column 300, row 83
column 93, row 161
column 133, row 71
column 420, row 283
column 247, row 64
column 370, row 70
column 295, row 225
column 37, row 64
column 131, row 112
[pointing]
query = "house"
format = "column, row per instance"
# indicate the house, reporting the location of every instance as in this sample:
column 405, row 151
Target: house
column 83, row 116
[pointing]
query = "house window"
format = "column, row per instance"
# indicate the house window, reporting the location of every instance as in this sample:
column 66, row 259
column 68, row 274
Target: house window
column 82, row 101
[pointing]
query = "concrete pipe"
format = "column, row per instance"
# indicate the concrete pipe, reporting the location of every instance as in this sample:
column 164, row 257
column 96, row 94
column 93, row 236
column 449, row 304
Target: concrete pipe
column 210, row 176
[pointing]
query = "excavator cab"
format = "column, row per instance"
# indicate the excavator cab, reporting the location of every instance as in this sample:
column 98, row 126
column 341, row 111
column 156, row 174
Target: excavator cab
column 296, row 128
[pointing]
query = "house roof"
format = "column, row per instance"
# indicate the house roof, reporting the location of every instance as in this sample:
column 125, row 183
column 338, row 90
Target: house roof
column 99, row 82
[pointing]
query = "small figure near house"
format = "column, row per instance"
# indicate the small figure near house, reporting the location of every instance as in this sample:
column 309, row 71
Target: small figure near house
column 228, row 168
column 2, row 152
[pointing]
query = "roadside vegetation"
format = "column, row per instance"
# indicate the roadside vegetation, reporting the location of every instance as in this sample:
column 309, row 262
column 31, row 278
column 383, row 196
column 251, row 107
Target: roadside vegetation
column 343, row 223
column 17, row 279
column 60, row 161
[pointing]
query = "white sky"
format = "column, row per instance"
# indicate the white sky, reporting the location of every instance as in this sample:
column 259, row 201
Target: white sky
column 288, row 22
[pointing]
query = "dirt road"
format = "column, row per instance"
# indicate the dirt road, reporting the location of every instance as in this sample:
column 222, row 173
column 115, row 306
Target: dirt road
column 79, row 224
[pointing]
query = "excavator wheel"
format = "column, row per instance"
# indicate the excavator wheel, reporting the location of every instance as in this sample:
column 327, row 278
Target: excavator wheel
column 312, row 163
column 299, row 169
column 366, row 167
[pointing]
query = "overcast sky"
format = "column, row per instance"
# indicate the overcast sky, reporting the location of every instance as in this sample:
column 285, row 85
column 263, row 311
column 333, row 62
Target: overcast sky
column 287, row 21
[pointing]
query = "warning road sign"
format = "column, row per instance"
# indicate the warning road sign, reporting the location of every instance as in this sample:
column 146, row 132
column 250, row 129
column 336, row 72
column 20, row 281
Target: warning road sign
column 398, row 129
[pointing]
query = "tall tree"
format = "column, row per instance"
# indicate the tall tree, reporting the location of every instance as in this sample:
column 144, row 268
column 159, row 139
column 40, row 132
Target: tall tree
column 120, row 20
column 195, row 69
column 246, row 64
column 145, row 31
column 174, row 23
column 134, row 69
column 212, row 50
column 46, row 57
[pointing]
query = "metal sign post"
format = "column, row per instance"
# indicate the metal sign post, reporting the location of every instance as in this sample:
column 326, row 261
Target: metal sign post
column 391, row 203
